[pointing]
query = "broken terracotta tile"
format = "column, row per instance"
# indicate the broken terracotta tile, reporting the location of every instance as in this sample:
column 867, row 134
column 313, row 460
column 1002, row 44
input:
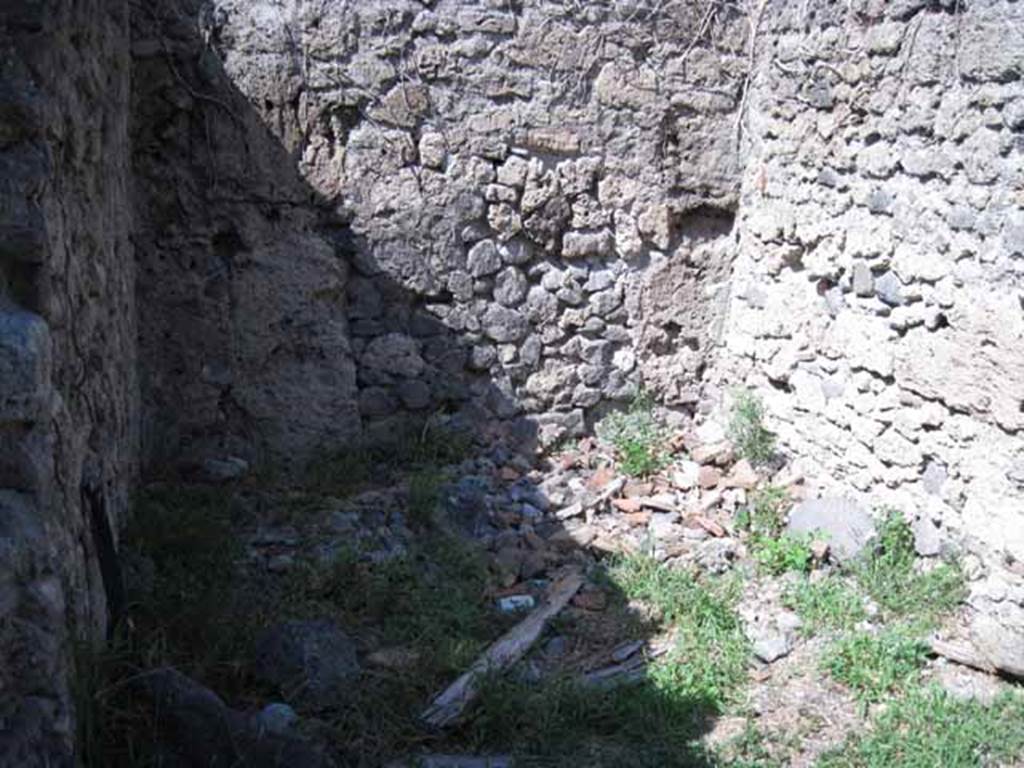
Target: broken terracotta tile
column 708, row 477
column 709, row 525
column 601, row 477
column 637, row 519
column 510, row 474
column 627, row 505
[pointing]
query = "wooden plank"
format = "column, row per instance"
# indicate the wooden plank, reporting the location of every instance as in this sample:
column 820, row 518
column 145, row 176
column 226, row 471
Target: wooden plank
column 448, row 706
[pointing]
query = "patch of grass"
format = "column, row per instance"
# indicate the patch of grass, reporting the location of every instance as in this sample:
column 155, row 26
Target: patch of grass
column 764, row 517
column 829, row 604
column 434, row 598
column 433, row 602
column 751, row 749
column 637, row 437
column 752, row 440
column 765, row 513
column 185, row 533
column 424, row 496
column 930, row 728
column 890, row 576
column 874, row 666
column 561, row 724
column 412, row 448
column 709, row 660
column 786, row 553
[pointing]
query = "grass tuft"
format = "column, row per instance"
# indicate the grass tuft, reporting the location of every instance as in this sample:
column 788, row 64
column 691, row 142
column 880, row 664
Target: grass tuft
column 889, row 574
column 764, row 517
column 410, row 449
column 930, row 728
column 709, row 660
column 874, row 666
column 829, row 604
column 637, row 437
column 752, row 440
column 786, row 553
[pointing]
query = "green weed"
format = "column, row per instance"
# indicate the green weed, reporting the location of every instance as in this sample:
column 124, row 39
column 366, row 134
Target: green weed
column 637, row 437
column 424, row 495
column 930, row 728
column 874, row 666
column 410, row 449
column 186, row 533
column 560, row 724
column 786, row 553
column 710, row 657
column 765, row 513
column 764, row 517
column 889, row 575
column 829, row 604
column 751, row 749
column 752, row 440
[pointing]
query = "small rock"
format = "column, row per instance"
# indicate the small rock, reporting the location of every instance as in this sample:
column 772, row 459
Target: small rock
column 863, row 282
column 590, row 599
column 197, row 728
column 716, row 556
column 276, row 718
column 712, row 453
column 685, row 475
column 743, row 475
column 708, row 477
column 933, row 478
column 968, row 684
column 516, row 603
column 771, row 647
column 788, row 622
column 819, row 550
column 927, row 542
column 840, row 521
column 226, row 469
column 313, row 659
column 627, row 505
column 397, row 658
column 890, row 289
column 556, row 647
column 1000, row 643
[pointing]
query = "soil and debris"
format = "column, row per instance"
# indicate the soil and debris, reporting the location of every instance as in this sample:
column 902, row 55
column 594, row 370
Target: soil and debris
column 715, row 617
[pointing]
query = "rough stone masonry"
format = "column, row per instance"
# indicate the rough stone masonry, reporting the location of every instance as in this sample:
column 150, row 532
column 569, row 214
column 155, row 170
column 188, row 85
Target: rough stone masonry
column 262, row 229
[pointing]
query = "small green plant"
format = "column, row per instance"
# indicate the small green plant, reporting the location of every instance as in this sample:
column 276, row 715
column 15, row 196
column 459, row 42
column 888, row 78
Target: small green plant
column 764, row 517
column 637, row 437
column 414, row 447
column 889, row 574
column 424, row 495
column 752, row 749
column 929, row 728
column 747, row 431
column 786, row 553
column 765, row 513
column 829, row 604
column 710, row 657
column 876, row 665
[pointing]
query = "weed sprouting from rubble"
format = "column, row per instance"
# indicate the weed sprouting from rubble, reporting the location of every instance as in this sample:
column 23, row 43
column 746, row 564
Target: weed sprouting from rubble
column 751, row 438
column 636, row 436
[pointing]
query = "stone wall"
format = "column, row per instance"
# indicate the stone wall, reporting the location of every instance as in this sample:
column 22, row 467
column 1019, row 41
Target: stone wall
column 877, row 289
column 68, row 400
column 244, row 344
column 541, row 197
column 261, row 229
